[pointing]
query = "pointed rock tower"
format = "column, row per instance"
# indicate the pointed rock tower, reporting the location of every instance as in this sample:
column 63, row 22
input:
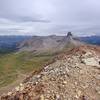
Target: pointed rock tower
column 69, row 37
column 69, row 42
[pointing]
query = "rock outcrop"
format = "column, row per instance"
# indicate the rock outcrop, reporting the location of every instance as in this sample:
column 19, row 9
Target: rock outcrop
column 75, row 75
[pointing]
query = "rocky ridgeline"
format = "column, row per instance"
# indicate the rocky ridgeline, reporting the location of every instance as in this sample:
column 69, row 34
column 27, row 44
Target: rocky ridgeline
column 75, row 75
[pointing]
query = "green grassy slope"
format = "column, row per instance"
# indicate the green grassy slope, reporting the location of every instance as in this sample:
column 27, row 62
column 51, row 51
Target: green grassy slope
column 14, row 63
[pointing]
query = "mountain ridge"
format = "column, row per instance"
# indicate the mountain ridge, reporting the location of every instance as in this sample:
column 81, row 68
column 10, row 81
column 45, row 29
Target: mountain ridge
column 49, row 43
column 73, row 75
column 11, row 43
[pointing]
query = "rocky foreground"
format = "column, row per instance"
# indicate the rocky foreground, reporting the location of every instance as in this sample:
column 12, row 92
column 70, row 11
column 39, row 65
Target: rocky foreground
column 74, row 75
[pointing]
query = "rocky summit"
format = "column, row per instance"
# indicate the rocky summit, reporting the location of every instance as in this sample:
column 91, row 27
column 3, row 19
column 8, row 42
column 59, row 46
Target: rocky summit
column 73, row 75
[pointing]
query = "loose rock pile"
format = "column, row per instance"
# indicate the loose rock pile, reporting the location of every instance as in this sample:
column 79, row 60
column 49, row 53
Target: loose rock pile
column 75, row 76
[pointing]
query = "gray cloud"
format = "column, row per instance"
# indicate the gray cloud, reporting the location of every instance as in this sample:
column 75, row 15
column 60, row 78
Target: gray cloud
column 49, row 17
column 28, row 19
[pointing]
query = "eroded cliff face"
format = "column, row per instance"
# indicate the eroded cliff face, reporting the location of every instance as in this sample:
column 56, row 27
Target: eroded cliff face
column 74, row 75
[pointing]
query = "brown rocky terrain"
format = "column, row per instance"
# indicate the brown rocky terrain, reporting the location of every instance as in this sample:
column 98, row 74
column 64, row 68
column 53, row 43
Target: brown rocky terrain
column 73, row 75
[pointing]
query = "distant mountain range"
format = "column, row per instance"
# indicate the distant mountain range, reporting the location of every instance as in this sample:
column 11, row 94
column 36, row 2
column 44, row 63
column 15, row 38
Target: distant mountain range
column 49, row 44
column 10, row 43
column 91, row 40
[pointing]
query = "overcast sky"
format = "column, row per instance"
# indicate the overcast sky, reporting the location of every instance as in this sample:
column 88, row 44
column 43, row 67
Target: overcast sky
column 45, row 17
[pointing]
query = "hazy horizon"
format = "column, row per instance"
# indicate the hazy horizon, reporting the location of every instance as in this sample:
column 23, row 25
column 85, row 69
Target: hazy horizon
column 30, row 35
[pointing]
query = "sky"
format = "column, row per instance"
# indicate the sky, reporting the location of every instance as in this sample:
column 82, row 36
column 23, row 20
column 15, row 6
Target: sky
column 47, row 17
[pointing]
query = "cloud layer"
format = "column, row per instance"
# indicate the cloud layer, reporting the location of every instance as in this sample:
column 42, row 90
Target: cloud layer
column 45, row 17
